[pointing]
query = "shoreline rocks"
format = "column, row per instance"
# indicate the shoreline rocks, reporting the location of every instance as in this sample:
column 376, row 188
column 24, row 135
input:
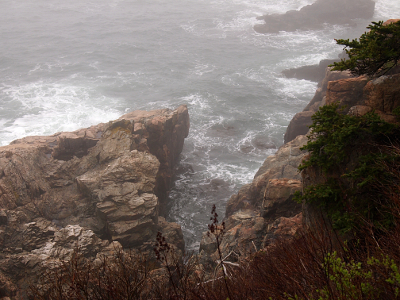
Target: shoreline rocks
column 264, row 211
column 299, row 125
column 314, row 16
column 91, row 188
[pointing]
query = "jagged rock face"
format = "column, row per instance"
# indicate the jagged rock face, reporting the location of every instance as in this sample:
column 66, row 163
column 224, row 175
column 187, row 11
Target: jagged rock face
column 19, row 268
column 283, row 228
column 283, row 164
column 244, row 233
column 259, row 204
column 299, row 125
column 278, row 198
column 88, row 187
column 357, row 96
column 122, row 192
column 383, row 93
column 264, row 210
column 360, row 95
column 348, row 92
column 314, row 16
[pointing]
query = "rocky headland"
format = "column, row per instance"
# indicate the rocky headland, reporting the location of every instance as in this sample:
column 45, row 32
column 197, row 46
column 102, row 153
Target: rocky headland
column 104, row 188
column 314, row 16
column 95, row 190
column 264, row 210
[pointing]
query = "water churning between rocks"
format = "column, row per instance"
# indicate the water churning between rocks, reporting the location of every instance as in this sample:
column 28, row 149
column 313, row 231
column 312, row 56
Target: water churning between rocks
column 71, row 64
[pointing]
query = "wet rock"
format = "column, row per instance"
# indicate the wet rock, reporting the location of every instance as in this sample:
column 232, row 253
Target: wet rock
column 243, row 234
column 259, row 204
column 299, row 125
column 312, row 72
column 36, row 234
column 172, row 233
column 314, row 16
column 123, row 194
column 8, row 289
column 390, row 21
column 360, row 95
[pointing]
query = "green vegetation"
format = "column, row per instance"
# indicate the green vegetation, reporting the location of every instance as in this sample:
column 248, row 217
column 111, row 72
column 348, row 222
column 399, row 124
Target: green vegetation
column 352, row 154
column 375, row 53
column 355, row 280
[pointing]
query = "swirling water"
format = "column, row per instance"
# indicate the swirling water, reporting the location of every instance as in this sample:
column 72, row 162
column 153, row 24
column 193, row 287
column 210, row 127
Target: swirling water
column 70, row 64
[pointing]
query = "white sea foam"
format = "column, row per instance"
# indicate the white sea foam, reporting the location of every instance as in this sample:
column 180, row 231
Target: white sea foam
column 387, row 9
column 46, row 108
column 265, row 6
column 294, row 88
column 203, row 68
column 66, row 65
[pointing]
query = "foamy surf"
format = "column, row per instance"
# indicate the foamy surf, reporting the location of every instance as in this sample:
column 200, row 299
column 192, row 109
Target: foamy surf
column 45, row 108
column 66, row 65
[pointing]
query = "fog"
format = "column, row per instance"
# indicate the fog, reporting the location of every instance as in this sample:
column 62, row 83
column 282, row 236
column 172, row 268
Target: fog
column 314, row 16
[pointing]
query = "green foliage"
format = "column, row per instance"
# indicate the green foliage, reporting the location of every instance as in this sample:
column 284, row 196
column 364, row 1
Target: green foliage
column 396, row 112
column 333, row 133
column 354, row 280
column 375, row 53
column 347, row 149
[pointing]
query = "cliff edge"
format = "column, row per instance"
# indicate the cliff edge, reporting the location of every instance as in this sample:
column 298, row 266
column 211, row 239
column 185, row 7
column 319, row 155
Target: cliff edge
column 95, row 189
column 264, row 210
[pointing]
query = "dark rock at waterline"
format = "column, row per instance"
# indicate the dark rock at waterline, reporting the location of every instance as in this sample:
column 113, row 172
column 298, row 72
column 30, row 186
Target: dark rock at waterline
column 300, row 123
column 311, row 72
column 259, row 142
column 315, row 72
column 315, row 15
column 263, row 143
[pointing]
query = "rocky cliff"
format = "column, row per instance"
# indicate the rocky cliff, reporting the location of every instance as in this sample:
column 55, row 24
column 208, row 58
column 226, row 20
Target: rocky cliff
column 97, row 189
column 263, row 210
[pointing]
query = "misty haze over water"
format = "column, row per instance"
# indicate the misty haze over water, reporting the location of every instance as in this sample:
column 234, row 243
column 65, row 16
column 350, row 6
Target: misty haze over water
column 71, row 64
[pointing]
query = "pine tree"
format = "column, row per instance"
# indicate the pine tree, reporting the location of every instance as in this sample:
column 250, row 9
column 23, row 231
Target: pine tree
column 375, row 53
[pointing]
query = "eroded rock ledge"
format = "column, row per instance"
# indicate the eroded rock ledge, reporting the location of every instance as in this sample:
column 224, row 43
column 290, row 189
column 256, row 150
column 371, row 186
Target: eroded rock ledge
column 97, row 188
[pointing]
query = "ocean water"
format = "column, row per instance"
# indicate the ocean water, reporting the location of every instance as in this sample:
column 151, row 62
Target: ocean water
column 71, row 64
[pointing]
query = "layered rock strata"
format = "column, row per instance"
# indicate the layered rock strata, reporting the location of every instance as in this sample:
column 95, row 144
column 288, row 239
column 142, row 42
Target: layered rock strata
column 93, row 188
column 259, row 212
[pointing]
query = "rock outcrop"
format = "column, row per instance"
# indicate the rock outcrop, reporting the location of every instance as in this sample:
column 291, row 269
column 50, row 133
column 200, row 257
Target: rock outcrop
column 90, row 188
column 311, row 72
column 264, row 210
column 314, row 16
column 267, row 200
column 299, row 125
column 357, row 96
